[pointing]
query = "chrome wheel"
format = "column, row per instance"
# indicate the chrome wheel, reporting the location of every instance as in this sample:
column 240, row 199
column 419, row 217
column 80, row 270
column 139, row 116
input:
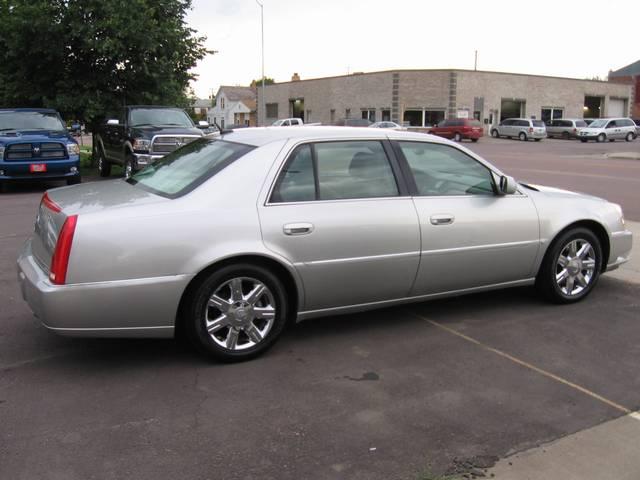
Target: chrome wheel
column 575, row 267
column 128, row 169
column 240, row 313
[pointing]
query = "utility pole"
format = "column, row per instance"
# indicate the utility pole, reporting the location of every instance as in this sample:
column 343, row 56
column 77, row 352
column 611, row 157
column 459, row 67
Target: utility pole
column 262, row 102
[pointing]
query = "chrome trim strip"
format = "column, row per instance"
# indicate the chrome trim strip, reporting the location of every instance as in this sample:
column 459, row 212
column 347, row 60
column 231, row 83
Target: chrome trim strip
column 622, row 233
column 431, row 296
column 110, row 329
column 358, row 259
column 472, row 248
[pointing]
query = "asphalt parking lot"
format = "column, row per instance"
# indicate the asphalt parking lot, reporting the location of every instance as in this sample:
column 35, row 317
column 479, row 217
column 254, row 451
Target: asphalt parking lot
column 398, row 393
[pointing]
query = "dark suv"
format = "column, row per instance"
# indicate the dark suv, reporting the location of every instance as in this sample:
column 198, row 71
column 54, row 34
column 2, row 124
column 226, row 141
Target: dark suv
column 35, row 144
column 459, row 128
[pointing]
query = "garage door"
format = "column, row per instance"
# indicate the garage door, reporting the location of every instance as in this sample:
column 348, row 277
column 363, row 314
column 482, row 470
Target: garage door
column 616, row 108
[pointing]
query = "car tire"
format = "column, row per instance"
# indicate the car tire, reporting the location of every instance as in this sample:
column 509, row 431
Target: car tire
column 75, row 180
column 629, row 137
column 568, row 273
column 523, row 137
column 583, row 140
column 612, row 140
column 104, row 167
column 129, row 166
column 244, row 334
column 474, row 140
column 3, row 187
column 601, row 138
column 457, row 137
column 495, row 134
column 566, row 135
column 537, row 139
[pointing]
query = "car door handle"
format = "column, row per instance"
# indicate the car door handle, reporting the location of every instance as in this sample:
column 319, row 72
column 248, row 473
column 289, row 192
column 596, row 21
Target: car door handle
column 444, row 219
column 297, row 228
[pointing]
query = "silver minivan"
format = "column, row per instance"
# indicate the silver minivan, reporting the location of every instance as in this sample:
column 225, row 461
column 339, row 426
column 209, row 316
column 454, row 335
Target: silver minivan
column 521, row 128
column 565, row 127
column 611, row 129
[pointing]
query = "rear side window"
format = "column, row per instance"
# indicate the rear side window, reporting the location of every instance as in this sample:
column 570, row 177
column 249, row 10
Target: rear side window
column 188, row 167
column 335, row 171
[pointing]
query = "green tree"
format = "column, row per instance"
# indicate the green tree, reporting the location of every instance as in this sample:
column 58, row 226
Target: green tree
column 258, row 82
column 86, row 58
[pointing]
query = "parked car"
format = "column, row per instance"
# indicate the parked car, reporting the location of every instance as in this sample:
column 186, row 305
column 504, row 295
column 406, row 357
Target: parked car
column 288, row 122
column 611, row 129
column 36, row 145
column 637, row 122
column 142, row 134
column 327, row 221
column 458, row 129
column 387, row 124
column 565, row 127
column 353, row 122
column 521, row 128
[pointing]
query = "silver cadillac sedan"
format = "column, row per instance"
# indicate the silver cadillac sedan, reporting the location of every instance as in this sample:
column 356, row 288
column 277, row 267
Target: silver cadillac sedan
column 230, row 237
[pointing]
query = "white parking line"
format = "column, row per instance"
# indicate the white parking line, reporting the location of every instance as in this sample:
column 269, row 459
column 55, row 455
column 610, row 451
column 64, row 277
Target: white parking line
column 617, row 406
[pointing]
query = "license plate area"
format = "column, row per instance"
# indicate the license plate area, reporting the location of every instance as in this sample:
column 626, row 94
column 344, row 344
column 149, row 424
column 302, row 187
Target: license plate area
column 38, row 167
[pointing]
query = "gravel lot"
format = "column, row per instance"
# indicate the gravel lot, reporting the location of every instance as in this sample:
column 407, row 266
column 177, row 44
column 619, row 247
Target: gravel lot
column 397, row 393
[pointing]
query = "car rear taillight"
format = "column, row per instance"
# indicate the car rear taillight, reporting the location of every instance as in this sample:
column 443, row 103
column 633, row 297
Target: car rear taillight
column 60, row 259
column 530, row 129
column 575, row 130
column 50, row 204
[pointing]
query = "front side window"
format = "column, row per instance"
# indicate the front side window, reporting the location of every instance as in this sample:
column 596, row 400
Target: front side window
column 441, row 170
column 181, row 171
column 336, row 171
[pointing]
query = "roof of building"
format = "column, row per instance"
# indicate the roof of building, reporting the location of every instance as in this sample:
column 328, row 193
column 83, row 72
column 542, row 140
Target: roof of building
column 201, row 103
column 235, row 94
column 629, row 70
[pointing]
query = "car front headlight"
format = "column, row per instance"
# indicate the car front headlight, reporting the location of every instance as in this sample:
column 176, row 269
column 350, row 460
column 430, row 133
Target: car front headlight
column 620, row 213
column 73, row 149
column 141, row 144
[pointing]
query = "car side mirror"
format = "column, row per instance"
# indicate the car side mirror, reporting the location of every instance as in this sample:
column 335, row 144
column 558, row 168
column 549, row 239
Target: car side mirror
column 203, row 124
column 507, row 185
column 113, row 121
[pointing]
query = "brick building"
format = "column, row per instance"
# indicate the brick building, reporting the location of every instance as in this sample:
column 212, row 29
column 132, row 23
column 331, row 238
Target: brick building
column 630, row 75
column 421, row 98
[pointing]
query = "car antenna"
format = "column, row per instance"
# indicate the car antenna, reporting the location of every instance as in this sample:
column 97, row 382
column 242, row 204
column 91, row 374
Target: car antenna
column 221, row 130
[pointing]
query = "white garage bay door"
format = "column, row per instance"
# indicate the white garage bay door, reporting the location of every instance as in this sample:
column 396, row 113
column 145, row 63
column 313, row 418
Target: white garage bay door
column 616, row 108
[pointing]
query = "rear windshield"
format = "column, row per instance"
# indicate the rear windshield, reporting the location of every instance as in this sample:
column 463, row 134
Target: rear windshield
column 475, row 123
column 581, row 123
column 188, row 167
column 537, row 123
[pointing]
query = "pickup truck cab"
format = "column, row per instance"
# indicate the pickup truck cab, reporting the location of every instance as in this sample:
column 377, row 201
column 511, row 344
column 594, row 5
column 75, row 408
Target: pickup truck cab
column 140, row 135
column 288, row 122
column 35, row 145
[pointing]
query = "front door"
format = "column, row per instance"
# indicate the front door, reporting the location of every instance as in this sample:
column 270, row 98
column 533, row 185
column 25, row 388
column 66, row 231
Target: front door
column 471, row 237
column 338, row 214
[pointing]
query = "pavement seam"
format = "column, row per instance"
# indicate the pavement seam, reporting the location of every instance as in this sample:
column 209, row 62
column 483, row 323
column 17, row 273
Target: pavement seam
column 611, row 403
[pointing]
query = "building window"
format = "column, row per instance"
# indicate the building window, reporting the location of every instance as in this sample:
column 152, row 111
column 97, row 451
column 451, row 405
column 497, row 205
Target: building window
column 386, row 115
column 222, row 103
column 369, row 114
column 477, row 114
column 332, row 114
column 551, row 113
column 272, row 110
column 308, row 119
column 347, row 113
column 413, row 118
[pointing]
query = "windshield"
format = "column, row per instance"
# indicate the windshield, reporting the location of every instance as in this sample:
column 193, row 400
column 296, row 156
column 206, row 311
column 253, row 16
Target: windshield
column 30, row 121
column 277, row 123
column 184, row 169
column 598, row 123
column 159, row 116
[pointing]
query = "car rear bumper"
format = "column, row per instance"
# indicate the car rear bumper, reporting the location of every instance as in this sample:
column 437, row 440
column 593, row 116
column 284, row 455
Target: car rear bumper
column 129, row 308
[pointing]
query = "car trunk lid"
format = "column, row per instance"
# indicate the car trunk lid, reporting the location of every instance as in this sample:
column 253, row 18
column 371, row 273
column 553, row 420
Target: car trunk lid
column 59, row 204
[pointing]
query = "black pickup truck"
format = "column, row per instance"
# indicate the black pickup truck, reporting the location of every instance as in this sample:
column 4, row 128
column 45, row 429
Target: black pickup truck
column 140, row 135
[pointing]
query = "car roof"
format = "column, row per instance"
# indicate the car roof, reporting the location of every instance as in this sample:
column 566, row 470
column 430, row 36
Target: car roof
column 259, row 136
column 41, row 110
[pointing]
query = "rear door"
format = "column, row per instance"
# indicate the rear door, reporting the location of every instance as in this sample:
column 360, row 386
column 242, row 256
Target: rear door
column 340, row 213
column 471, row 237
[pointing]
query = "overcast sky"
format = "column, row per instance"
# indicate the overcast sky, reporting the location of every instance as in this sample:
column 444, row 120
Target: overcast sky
column 580, row 39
